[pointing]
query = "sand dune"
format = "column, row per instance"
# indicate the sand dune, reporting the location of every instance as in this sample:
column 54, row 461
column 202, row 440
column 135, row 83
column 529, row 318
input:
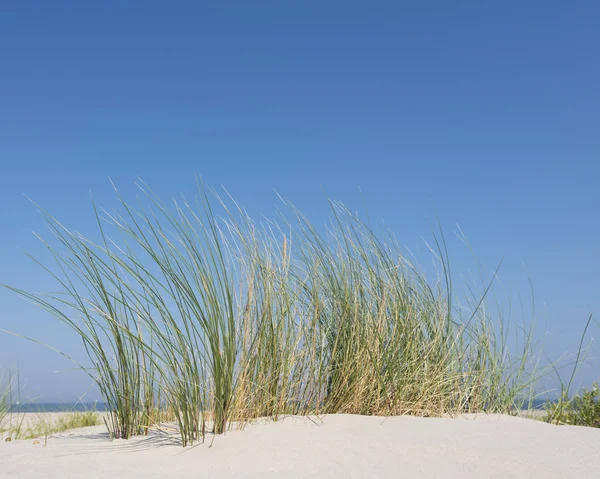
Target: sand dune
column 338, row 446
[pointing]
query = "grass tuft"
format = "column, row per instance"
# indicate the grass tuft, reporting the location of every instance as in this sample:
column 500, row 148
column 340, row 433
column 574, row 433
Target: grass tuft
column 196, row 309
column 5, row 399
column 30, row 425
column 580, row 410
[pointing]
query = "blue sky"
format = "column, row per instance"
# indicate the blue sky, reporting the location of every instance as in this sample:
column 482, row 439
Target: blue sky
column 482, row 114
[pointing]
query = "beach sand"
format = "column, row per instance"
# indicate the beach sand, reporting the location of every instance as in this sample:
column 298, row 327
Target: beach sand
column 336, row 446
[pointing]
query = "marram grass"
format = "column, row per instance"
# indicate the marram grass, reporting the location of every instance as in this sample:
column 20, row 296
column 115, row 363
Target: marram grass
column 217, row 318
column 6, row 385
column 41, row 425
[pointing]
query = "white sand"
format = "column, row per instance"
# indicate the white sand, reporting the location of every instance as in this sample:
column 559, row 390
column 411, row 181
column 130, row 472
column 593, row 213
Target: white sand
column 341, row 446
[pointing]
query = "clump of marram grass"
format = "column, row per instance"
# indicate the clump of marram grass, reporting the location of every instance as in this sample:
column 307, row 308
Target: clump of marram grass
column 219, row 319
column 107, row 329
column 30, row 425
column 5, row 398
column 11, row 421
column 580, row 410
column 44, row 426
column 389, row 342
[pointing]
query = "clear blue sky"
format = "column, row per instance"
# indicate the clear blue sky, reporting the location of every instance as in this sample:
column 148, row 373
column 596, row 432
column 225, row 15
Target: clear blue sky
column 484, row 114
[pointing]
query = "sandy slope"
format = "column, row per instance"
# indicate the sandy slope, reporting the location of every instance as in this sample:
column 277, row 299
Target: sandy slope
column 340, row 446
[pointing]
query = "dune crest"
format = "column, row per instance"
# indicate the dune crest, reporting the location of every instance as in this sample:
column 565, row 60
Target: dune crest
column 336, row 446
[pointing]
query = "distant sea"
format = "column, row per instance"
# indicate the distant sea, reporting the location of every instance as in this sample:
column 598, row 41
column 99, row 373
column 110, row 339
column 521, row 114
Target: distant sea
column 59, row 407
